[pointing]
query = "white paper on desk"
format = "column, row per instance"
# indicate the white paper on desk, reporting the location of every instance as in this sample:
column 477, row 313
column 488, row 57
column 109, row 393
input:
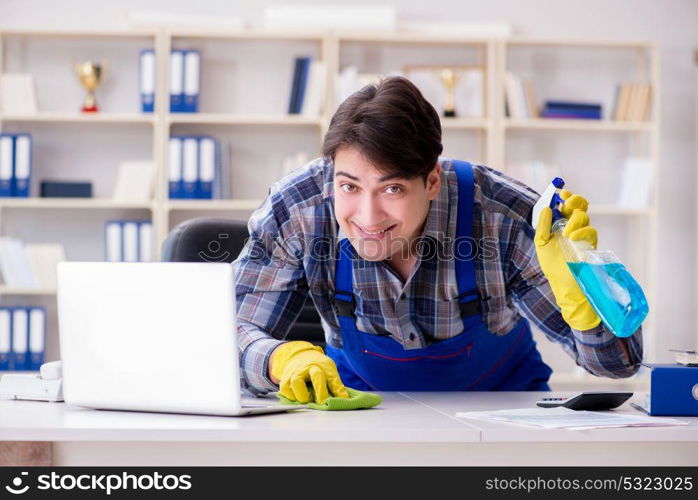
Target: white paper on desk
column 564, row 418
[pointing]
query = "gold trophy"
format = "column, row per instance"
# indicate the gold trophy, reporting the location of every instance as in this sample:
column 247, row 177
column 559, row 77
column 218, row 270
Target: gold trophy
column 91, row 75
column 449, row 80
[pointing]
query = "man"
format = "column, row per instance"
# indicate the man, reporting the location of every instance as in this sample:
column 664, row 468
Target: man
column 421, row 268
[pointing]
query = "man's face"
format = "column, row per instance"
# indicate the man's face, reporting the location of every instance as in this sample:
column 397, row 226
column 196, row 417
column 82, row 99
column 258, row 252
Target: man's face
column 381, row 214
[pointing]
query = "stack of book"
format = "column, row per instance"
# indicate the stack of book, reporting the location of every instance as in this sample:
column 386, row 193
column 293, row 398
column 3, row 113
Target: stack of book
column 632, row 102
column 307, row 87
column 197, row 169
column 31, row 265
column 128, row 241
column 571, row 109
column 185, row 76
column 520, row 98
column 15, row 165
column 22, row 338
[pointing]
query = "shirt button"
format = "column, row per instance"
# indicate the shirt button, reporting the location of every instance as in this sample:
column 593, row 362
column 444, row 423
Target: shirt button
column 412, row 336
column 403, row 297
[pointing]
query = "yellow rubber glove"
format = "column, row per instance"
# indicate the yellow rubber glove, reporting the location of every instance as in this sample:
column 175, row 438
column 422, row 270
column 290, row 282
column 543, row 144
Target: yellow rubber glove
column 297, row 363
column 576, row 309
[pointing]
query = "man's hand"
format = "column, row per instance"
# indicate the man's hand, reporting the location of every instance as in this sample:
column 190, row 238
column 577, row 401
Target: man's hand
column 293, row 364
column 576, row 309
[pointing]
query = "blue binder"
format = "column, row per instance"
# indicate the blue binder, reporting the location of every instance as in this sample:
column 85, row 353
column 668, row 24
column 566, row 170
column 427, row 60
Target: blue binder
column 303, row 83
column 20, row 338
column 297, row 68
column 21, row 175
column 190, row 166
column 7, row 160
column 5, row 338
column 192, row 79
column 673, row 390
column 207, row 168
column 37, row 337
column 176, row 81
column 147, row 80
column 174, row 160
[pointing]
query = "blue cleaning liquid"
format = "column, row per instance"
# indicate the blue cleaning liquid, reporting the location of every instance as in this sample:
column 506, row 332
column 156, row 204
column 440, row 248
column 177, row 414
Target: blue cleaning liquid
column 614, row 294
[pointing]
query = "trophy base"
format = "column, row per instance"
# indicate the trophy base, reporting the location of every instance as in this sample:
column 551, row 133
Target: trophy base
column 450, row 114
column 90, row 109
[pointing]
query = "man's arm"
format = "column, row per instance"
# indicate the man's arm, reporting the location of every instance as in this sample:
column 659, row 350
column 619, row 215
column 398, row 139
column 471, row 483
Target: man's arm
column 597, row 350
column 270, row 289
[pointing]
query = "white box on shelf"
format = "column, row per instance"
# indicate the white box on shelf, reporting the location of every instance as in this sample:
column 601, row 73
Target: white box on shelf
column 134, row 181
column 18, row 94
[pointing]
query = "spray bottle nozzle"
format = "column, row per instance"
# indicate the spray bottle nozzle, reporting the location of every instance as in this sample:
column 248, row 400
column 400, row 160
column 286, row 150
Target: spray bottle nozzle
column 556, row 201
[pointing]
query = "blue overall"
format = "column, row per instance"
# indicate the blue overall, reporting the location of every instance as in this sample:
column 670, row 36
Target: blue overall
column 474, row 360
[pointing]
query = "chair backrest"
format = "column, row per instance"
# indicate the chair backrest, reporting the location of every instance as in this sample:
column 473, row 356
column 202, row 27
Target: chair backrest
column 208, row 239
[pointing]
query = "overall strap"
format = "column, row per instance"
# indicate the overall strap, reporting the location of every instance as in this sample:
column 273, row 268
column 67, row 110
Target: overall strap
column 344, row 295
column 465, row 247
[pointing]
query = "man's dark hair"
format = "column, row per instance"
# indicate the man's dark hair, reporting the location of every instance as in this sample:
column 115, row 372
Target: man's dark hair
column 392, row 125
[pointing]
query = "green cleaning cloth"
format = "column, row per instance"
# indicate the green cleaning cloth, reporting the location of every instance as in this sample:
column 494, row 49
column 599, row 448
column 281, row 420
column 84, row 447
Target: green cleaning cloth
column 358, row 400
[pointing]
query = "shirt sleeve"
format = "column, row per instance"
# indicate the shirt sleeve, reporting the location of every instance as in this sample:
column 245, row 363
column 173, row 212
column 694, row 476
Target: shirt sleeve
column 597, row 350
column 270, row 289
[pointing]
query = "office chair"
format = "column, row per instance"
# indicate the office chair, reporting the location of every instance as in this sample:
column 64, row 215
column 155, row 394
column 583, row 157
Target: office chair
column 207, row 239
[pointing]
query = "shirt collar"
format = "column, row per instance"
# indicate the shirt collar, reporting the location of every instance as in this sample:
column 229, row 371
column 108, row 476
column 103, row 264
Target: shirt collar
column 436, row 224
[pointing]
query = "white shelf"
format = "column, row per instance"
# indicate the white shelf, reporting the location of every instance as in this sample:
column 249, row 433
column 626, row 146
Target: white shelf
column 72, row 203
column 409, row 38
column 131, row 33
column 249, row 119
column 578, row 125
column 244, row 34
column 4, row 290
column 203, row 205
column 81, row 118
column 578, row 43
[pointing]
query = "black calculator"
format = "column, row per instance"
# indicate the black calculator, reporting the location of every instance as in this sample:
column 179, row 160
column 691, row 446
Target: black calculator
column 591, row 401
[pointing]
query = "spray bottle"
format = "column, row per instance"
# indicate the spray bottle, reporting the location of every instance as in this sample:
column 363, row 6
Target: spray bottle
column 611, row 290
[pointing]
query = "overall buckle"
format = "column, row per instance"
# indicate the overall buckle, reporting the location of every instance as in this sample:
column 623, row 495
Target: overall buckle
column 345, row 307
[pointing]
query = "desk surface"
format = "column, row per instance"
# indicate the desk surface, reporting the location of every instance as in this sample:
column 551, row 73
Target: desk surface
column 401, row 418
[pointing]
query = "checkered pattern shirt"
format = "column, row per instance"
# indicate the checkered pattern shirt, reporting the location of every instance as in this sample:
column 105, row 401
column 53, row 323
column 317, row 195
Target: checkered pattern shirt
column 291, row 254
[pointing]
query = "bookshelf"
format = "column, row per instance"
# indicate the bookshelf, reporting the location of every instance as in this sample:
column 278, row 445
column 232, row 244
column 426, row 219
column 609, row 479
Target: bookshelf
column 244, row 108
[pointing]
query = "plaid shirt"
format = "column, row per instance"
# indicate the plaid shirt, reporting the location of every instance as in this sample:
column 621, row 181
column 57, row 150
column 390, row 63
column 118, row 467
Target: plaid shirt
column 291, row 250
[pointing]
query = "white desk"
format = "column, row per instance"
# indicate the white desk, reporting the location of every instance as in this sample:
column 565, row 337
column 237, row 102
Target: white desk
column 407, row 429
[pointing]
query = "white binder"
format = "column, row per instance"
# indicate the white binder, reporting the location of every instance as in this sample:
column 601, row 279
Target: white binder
column 130, row 235
column 192, row 63
column 5, row 338
column 176, row 80
column 207, row 167
column 190, row 166
column 37, row 337
column 174, row 160
column 6, row 164
column 20, row 332
column 145, row 241
column 113, row 242
column 22, row 171
column 147, row 83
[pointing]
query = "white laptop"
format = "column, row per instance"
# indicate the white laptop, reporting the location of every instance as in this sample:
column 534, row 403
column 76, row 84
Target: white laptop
column 155, row 337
